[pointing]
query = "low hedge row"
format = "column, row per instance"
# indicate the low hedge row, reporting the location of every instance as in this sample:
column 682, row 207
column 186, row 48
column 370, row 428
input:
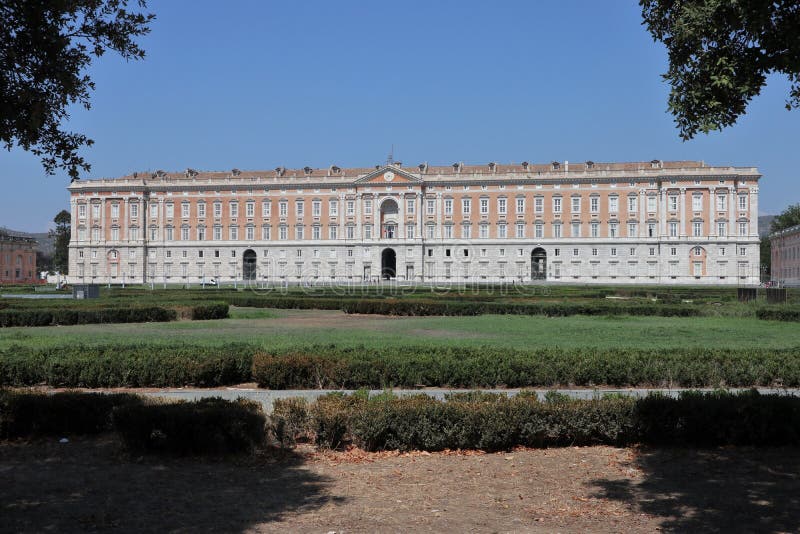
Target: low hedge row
column 357, row 367
column 352, row 368
column 66, row 316
column 779, row 314
column 495, row 422
column 208, row 426
column 107, row 314
column 126, row 366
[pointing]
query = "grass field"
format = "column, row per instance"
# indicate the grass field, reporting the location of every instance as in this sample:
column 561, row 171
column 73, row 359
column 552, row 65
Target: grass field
column 282, row 328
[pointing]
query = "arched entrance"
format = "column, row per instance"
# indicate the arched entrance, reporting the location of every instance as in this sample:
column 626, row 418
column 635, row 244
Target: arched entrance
column 388, row 264
column 389, row 219
column 249, row 264
column 538, row 264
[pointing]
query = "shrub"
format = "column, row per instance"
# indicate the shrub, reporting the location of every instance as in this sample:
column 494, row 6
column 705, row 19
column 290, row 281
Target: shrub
column 71, row 316
column 783, row 313
column 209, row 311
column 208, row 426
column 290, row 421
column 32, row 414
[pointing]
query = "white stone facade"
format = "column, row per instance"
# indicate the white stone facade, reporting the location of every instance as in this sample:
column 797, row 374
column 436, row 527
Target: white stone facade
column 627, row 223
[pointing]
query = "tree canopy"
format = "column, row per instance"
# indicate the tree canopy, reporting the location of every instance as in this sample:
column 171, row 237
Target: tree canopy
column 720, row 53
column 61, row 233
column 45, row 48
column 788, row 218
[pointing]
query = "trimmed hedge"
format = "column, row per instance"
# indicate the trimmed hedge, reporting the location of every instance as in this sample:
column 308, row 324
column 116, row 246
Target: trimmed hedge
column 496, row 422
column 25, row 414
column 210, row 311
column 779, row 314
column 208, row 426
column 359, row 367
column 126, row 366
column 67, row 316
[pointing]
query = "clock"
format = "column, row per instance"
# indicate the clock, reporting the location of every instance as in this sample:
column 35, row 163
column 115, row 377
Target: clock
column 388, row 176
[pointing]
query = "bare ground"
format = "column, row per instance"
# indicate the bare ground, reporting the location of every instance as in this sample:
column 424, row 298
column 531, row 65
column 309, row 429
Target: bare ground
column 90, row 484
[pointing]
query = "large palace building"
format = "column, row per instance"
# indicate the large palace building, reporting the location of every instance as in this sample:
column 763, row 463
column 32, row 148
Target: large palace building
column 680, row 222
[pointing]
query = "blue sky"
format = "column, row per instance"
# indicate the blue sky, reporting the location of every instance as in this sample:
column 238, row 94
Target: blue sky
column 258, row 84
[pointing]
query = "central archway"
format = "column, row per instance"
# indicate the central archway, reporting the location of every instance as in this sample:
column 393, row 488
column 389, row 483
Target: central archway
column 538, row 264
column 249, row 264
column 389, row 219
column 388, row 264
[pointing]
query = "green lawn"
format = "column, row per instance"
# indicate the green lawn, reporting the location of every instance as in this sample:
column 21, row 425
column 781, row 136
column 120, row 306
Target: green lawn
column 280, row 328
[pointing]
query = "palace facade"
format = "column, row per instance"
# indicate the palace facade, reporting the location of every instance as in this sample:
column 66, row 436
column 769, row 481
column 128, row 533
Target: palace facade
column 680, row 222
column 17, row 260
column 786, row 257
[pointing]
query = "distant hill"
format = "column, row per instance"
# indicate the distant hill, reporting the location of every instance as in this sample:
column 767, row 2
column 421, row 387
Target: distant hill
column 764, row 222
column 46, row 244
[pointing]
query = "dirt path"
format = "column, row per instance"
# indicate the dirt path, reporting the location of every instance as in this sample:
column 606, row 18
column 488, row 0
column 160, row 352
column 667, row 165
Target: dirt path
column 91, row 485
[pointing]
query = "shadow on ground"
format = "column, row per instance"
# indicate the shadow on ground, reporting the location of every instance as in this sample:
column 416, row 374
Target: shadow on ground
column 726, row 490
column 90, row 485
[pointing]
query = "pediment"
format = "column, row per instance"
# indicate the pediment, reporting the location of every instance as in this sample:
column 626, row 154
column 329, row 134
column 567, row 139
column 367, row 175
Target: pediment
column 388, row 174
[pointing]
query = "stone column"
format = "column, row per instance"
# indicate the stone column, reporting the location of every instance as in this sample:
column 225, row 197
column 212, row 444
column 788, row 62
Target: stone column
column 359, row 201
column 712, row 210
column 752, row 213
column 732, row 212
column 643, row 213
column 401, row 220
column 439, row 221
column 418, row 207
column 376, row 222
column 662, row 216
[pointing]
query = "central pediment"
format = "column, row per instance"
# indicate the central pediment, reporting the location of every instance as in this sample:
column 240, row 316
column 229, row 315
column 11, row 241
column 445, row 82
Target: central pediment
column 389, row 174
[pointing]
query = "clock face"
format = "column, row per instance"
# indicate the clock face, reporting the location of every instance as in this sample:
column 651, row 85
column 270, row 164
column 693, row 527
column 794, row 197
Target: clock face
column 388, row 176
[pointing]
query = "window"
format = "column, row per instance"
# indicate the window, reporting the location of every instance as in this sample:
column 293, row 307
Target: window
column 673, row 251
column 538, row 205
column 721, row 229
column 651, row 229
column 448, row 231
column 502, row 231
column 722, row 202
column 502, row 204
column 722, row 251
column 351, row 208
column 632, row 251
column 234, row 209
column 595, row 229
column 185, row 210
column 410, row 206
column 483, row 231
column 134, row 209
column 430, row 231
column 613, row 204
column 484, row 203
column 448, row 206
column 520, row 206
column 673, row 229
column 170, row 210
column 742, row 251
column 632, row 203
column 368, row 231
column 651, row 204
column 466, row 206
column 612, row 229
column 557, row 230
column 742, row 228
column 283, row 208
column 114, row 211
column 349, row 232
column 298, row 232
column 170, row 234
column 698, row 251
column 95, row 234
column 594, row 204
column 466, row 231
column 333, row 232
column 576, row 230
column 266, row 233
column 95, row 211
column 652, row 251
column 672, row 202
column 520, row 230
column 631, row 229
column 557, row 205
column 266, row 208
column 250, row 209
column 217, row 233
column 184, row 233
column 316, row 208
column 576, row 204
column 133, row 234
column 234, row 233
column 430, row 207
column 299, row 208
column 250, row 233
column 594, row 252
column 613, row 251
column 333, row 208
column 697, row 202
column 283, row 233
column 316, row 232
column 409, row 231
column 201, row 210
column 115, row 234
column 82, row 211
column 697, row 229
column 742, row 202
column 575, row 252
column 217, row 209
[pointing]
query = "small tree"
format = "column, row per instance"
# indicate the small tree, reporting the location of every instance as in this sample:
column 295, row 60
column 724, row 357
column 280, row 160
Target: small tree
column 61, row 233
